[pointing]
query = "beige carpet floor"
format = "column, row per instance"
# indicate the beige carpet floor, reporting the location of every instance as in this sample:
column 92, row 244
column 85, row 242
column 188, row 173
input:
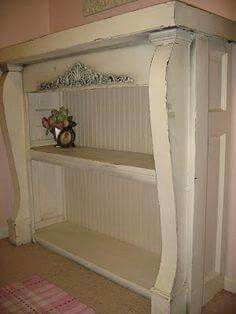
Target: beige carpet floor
column 18, row 263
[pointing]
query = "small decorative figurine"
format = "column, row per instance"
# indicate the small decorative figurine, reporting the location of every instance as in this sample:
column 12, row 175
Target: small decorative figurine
column 60, row 124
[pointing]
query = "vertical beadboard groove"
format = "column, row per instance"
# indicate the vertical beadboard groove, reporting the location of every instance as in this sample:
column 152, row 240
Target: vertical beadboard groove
column 113, row 118
column 48, row 193
column 40, row 105
column 125, row 209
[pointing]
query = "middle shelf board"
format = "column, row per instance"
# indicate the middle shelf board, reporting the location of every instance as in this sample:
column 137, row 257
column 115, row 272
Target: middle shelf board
column 138, row 166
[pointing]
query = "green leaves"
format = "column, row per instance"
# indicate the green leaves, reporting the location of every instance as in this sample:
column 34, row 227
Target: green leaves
column 73, row 124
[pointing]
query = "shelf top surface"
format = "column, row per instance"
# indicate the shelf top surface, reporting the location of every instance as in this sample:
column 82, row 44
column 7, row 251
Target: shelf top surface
column 105, row 252
column 131, row 159
column 118, row 30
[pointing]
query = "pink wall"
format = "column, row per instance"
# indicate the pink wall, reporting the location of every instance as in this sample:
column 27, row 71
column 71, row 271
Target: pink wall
column 22, row 20
column 27, row 19
column 67, row 14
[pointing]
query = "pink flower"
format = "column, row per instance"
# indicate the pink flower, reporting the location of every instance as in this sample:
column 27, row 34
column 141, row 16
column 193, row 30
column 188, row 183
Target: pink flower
column 50, row 121
column 45, row 123
column 54, row 112
column 60, row 125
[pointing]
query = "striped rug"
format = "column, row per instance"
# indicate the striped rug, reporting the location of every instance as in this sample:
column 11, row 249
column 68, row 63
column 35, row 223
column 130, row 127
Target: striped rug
column 37, row 295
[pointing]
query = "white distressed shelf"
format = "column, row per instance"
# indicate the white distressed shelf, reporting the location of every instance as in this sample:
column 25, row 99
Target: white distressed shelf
column 119, row 261
column 138, row 166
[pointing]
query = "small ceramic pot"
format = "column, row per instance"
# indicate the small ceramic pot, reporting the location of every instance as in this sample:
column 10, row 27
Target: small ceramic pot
column 64, row 137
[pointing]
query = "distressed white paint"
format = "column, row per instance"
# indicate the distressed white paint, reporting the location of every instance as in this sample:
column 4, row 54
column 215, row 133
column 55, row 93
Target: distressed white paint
column 129, row 165
column 196, row 227
column 162, row 157
column 105, row 33
column 13, row 124
column 218, row 139
column 118, row 30
column 171, row 60
column 132, row 60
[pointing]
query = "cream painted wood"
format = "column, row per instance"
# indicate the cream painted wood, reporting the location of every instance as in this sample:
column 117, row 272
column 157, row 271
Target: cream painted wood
column 217, row 178
column 4, row 233
column 48, row 194
column 204, row 22
column 167, row 93
column 91, row 251
column 159, row 118
column 114, row 31
column 121, row 208
column 135, row 166
column 119, row 31
column 230, row 284
column 133, row 60
column 198, row 183
column 124, row 110
column 13, row 124
column 178, row 71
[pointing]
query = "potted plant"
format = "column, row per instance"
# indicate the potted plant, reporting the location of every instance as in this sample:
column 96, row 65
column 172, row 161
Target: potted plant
column 61, row 125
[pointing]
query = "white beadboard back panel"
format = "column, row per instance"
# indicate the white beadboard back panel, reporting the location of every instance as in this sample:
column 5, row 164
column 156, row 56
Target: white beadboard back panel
column 40, row 105
column 48, row 193
column 114, row 117
column 121, row 208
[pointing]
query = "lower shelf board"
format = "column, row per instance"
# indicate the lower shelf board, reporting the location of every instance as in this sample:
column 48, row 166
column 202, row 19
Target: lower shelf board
column 119, row 261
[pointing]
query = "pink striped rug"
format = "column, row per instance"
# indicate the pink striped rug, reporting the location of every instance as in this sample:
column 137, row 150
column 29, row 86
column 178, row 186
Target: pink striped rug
column 37, row 295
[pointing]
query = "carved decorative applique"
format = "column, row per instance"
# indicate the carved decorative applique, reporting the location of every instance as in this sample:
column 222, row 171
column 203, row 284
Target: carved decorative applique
column 82, row 75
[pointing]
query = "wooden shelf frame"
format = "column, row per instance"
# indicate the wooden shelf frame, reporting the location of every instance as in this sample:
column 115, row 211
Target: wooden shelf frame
column 182, row 37
column 137, row 166
column 118, row 30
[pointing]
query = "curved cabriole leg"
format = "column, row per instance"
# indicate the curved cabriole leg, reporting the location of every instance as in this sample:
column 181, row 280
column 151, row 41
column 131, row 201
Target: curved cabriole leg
column 12, row 121
column 169, row 86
